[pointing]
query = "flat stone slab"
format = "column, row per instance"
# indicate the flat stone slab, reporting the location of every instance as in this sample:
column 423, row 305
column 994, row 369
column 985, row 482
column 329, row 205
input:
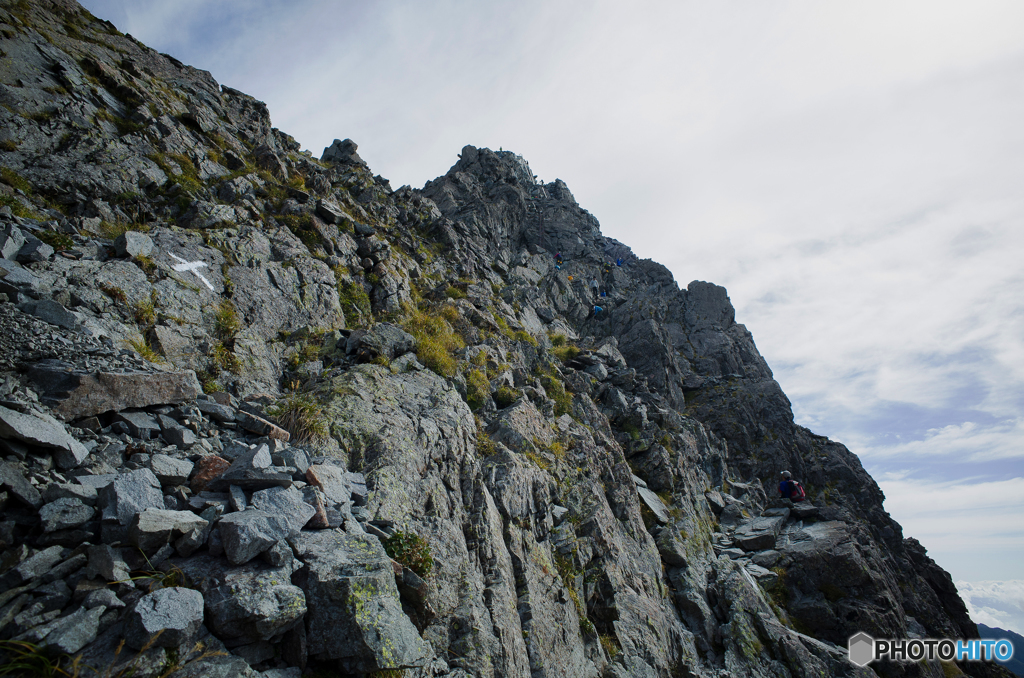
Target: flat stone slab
column 760, row 533
column 176, row 611
column 654, row 503
column 43, row 431
column 75, row 394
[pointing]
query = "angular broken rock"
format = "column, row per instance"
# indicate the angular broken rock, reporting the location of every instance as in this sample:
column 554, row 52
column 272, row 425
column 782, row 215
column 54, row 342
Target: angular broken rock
column 367, row 632
column 75, row 394
column 133, row 244
column 12, row 480
column 64, row 514
column 43, row 431
column 206, row 469
column 252, row 471
column 261, row 427
column 759, row 533
column 654, row 503
column 170, row 471
column 332, row 481
column 287, row 504
column 246, row 534
column 176, row 612
column 153, row 528
column 70, row 634
column 248, row 603
column 129, row 494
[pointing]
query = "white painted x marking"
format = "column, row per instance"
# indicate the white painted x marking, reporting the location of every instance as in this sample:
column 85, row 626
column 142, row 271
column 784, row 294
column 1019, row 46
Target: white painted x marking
column 192, row 266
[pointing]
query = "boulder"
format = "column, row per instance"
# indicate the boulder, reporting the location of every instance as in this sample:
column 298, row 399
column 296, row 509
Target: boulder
column 34, row 249
column 246, row 604
column 246, row 534
column 11, row 241
column 654, row 502
column 261, row 427
column 84, row 493
column 176, row 613
column 285, row 503
column 251, row 471
column 207, row 469
column 760, row 533
column 140, row 425
column 64, row 514
column 355, row 617
column 12, row 480
column 170, row 471
column 74, row 394
column 330, row 212
column 43, row 431
column 54, row 313
column 129, row 494
column 152, row 528
column 133, row 244
column 384, row 340
column 70, row 634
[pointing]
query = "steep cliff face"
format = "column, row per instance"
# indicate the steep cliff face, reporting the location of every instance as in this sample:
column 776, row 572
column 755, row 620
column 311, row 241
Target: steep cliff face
column 267, row 402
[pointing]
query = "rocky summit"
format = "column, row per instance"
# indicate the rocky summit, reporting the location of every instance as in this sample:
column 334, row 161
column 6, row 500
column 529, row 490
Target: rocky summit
column 263, row 415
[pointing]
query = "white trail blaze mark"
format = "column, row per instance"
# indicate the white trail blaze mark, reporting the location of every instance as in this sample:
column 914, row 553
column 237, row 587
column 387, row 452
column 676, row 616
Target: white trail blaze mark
column 192, row 266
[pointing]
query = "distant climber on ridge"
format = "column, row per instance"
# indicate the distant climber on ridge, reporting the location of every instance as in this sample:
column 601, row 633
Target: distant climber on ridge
column 791, row 489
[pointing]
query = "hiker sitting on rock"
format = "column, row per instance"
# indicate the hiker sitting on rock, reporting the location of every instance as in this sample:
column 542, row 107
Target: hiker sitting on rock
column 791, row 489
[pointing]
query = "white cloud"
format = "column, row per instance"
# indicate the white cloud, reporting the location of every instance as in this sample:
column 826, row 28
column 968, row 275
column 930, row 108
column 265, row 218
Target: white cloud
column 972, row 529
column 999, row 604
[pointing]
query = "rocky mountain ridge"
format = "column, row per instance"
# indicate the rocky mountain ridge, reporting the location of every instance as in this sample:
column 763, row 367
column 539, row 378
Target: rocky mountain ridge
column 264, row 402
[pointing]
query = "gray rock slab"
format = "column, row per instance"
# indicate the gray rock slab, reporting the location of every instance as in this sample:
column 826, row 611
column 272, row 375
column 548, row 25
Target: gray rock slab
column 34, row 249
column 43, row 431
column 182, row 438
column 140, row 424
column 249, row 603
column 216, row 411
column 152, row 528
column 251, row 470
column 803, row 510
column 11, row 241
column 104, row 597
column 332, row 481
column 176, row 611
column 248, row 533
column 14, row 278
column 34, row 566
column 106, row 562
column 70, row 634
column 64, row 514
column 169, row 470
column 74, row 394
column 133, row 244
column 354, row 610
column 13, row 481
column 760, row 533
column 384, row 340
column 236, row 497
column 84, row 493
column 654, row 502
column 129, row 494
column 286, row 504
column 54, row 313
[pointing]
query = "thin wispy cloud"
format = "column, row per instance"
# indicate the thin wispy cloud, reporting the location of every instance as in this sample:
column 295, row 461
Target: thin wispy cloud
column 850, row 172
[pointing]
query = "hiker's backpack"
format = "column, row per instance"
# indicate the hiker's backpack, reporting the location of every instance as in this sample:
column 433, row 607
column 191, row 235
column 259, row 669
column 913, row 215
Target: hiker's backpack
column 796, row 492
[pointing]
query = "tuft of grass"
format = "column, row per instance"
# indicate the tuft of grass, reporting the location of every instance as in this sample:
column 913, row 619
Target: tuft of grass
column 225, row 359
column 484, row 445
column 523, row 335
column 123, row 125
column 611, row 645
column 435, row 340
column 146, row 263
column 225, row 321
column 8, row 145
column 477, row 389
column 412, row 551
column 17, row 207
column 144, row 312
column 455, row 293
column 354, row 299
column 556, row 391
column 58, row 241
column 144, row 350
column 302, row 415
column 15, row 180
column 505, row 396
column 557, row 339
column 111, row 231
column 565, row 353
column 115, row 293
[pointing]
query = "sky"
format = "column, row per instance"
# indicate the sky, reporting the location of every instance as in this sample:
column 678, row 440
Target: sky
column 853, row 174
